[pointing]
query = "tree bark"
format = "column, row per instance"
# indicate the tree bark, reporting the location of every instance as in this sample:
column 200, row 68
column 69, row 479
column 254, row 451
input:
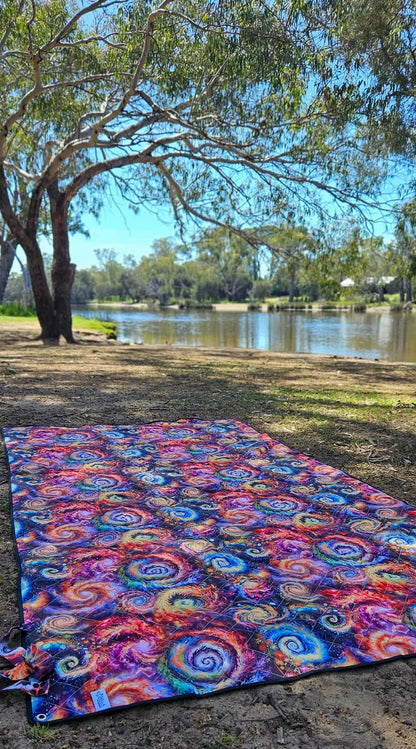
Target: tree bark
column 401, row 289
column 408, row 289
column 26, row 237
column 63, row 271
column 8, row 251
column 292, row 285
column 41, row 292
column 381, row 297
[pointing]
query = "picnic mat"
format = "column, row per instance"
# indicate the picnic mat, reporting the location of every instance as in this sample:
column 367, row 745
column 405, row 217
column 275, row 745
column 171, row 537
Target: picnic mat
column 185, row 558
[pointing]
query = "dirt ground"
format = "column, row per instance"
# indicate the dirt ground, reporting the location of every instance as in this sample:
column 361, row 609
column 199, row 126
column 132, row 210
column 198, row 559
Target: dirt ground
column 356, row 415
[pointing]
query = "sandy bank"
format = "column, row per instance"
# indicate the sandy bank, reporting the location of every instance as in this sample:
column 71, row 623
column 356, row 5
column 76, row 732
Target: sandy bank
column 232, row 307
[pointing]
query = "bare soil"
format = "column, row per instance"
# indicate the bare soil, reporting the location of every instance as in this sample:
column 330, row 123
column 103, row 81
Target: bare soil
column 356, row 415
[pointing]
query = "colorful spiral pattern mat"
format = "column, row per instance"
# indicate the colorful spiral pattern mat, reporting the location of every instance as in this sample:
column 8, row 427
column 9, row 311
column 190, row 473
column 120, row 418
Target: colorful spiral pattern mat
column 185, row 558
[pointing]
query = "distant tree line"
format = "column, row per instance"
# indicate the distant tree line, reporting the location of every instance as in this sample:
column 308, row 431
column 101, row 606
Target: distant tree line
column 218, row 265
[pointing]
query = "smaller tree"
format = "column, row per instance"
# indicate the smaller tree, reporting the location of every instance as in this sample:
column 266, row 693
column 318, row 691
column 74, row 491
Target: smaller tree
column 134, row 285
column 158, row 270
column 346, row 253
column 208, row 288
column 83, row 289
column 292, row 247
column 261, row 289
column 108, row 275
column 8, row 245
column 403, row 251
column 374, row 267
column 229, row 257
column 183, row 282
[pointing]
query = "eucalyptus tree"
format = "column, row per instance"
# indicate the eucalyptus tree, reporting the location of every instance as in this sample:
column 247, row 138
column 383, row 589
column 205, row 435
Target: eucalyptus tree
column 158, row 270
column 233, row 258
column 403, row 250
column 8, row 245
column 374, row 45
column 214, row 106
column 293, row 246
column 8, row 242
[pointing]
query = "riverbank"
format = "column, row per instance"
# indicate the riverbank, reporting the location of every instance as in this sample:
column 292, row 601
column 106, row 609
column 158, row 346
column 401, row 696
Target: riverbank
column 388, row 337
column 262, row 307
column 356, row 415
column 376, row 337
column 14, row 329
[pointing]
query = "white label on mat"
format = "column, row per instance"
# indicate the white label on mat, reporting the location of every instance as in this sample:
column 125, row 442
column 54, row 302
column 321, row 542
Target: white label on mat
column 100, row 699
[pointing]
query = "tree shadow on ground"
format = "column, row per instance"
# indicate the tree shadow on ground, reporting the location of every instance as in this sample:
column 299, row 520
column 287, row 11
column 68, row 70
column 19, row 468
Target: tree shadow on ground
column 355, row 417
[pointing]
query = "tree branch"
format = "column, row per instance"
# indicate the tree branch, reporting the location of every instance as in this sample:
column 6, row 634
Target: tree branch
column 9, row 215
column 9, row 28
column 73, row 22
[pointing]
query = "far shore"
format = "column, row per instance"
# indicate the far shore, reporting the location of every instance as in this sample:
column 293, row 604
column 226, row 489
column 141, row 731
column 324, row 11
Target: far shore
column 241, row 307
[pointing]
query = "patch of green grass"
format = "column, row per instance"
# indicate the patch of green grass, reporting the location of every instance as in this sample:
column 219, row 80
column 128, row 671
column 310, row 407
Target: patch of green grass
column 340, row 398
column 78, row 322
column 92, row 324
column 15, row 320
column 229, row 740
column 15, row 309
column 41, row 734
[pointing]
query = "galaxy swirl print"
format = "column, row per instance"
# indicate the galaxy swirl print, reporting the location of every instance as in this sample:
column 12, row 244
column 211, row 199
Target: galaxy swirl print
column 184, row 558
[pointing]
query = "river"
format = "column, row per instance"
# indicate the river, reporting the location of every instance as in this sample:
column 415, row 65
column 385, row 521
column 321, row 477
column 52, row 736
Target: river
column 371, row 335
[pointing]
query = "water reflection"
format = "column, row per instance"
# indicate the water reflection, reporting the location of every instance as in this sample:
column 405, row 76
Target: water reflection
column 370, row 335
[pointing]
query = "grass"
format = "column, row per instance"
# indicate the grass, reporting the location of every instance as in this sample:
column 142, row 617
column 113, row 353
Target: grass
column 78, row 322
column 226, row 741
column 17, row 319
column 15, row 309
column 41, row 734
column 85, row 323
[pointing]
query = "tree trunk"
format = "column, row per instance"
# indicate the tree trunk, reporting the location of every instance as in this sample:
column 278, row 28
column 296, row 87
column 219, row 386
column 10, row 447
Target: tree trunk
column 28, row 296
column 292, row 286
column 41, row 292
column 63, row 271
column 408, row 289
column 26, row 237
column 401, row 289
column 8, row 251
column 40, row 288
column 381, row 297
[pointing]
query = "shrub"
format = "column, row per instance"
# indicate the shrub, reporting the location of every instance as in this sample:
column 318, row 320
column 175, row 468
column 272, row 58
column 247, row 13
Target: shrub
column 16, row 309
column 261, row 290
